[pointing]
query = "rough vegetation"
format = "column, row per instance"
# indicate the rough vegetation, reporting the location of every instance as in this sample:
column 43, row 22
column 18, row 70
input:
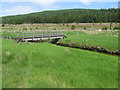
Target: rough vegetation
column 105, row 41
column 45, row 65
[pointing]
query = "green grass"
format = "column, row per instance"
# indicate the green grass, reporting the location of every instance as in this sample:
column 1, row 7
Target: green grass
column 7, row 28
column 11, row 34
column 106, row 39
column 44, row 65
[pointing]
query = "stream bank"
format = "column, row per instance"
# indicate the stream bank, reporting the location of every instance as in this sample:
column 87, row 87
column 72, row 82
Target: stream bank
column 89, row 48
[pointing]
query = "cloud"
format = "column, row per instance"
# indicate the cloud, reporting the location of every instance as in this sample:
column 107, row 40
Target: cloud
column 18, row 10
column 45, row 3
column 58, row 1
column 54, row 7
column 86, row 2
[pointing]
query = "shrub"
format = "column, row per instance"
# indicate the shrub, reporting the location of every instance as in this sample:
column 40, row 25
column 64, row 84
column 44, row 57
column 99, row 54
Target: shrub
column 84, row 28
column 110, row 25
column 24, row 28
column 30, row 28
column 118, row 28
column 73, row 27
column 67, row 25
column 104, row 28
column 3, row 25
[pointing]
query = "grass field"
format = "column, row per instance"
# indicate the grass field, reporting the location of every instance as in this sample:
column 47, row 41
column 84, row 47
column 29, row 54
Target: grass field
column 105, row 39
column 45, row 65
column 50, row 26
column 11, row 34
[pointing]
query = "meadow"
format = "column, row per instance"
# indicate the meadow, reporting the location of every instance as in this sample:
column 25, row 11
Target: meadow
column 46, row 65
column 88, row 34
column 104, row 39
column 59, row 26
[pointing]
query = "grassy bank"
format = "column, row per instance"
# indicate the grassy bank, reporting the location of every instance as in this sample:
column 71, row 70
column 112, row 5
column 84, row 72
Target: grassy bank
column 104, row 39
column 44, row 65
column 11, row 34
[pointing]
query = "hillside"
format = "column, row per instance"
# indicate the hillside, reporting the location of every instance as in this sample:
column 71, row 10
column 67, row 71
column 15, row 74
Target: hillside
column 65, row 16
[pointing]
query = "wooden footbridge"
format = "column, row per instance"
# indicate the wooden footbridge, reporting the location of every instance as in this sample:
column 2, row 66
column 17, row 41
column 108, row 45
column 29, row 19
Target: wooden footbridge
column 40, row 35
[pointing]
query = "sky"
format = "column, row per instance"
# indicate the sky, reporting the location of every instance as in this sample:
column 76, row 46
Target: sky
column 17, row 7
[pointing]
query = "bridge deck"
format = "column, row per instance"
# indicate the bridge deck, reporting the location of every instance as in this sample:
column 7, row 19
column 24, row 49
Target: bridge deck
column 35, row 38
column 41, row 35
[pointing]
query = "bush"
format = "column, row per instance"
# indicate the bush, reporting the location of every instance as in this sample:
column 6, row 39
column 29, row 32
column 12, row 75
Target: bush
column 118, row 28
column 3, row 25
column 110, row 25
column 24, row 28
column 105, row 28
column 73, row 27
column 84, row 28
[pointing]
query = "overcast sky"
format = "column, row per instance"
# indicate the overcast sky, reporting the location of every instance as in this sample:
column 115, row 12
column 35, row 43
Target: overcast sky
column 15, row 7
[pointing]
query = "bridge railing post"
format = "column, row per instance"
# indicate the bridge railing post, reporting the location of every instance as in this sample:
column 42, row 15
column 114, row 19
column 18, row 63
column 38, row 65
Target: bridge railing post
column 62, row 32
column 50, row 33
column 57, row 33
column 22, row 35
column 41, row 35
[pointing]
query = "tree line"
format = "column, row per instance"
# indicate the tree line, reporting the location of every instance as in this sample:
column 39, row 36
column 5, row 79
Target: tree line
column 65, row 16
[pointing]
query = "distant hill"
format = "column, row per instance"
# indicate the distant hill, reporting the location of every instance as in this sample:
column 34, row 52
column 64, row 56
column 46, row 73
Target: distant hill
column 65, row 16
